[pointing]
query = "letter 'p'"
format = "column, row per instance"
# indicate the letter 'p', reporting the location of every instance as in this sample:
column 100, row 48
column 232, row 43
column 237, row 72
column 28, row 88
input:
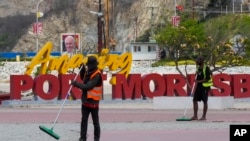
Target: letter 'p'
column 243, row 131
column 22, row 83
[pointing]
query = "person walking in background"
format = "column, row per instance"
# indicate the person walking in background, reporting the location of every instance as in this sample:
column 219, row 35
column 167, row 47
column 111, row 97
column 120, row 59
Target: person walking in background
column 69, row 43
column 203, row 82
column 163, row 54
column 92, row 91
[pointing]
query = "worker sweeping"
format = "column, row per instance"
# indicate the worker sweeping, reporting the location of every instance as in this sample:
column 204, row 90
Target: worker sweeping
column 50, row 131
column 203, row 82
column 92, row 90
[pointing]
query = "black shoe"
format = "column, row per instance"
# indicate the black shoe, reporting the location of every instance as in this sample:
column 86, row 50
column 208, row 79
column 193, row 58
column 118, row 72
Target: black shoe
column 81, row 139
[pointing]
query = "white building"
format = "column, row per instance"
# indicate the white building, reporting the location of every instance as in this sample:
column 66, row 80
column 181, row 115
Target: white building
column 144, row 51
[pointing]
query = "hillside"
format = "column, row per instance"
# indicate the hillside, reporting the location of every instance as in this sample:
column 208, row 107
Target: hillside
column 130, row 19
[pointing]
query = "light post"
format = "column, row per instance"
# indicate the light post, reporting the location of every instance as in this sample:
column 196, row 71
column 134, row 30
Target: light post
column 175, row 8
column 233, row 6
column 99, row 26
column 37, row 5
column 99, row 29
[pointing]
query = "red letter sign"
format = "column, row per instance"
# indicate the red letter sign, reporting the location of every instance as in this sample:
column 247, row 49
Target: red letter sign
column 159, row 84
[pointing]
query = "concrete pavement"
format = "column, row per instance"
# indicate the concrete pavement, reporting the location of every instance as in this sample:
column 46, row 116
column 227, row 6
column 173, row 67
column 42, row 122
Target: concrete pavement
column 120, row 121
column 122, row 124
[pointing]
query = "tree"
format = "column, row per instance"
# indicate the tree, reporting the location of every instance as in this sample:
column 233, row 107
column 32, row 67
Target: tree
column 210, row 39
column 220, row 45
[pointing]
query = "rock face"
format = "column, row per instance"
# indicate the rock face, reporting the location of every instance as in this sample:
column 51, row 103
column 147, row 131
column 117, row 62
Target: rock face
column 128, row 19
column 13, row 7
column 80, row 20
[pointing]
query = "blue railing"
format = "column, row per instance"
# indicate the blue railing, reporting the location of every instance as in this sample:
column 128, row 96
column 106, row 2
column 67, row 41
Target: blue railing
column 30, row 54
column 10, row 55
column 115, row 52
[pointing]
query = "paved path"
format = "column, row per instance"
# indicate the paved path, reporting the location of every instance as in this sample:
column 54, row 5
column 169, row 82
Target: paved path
column 119, row 124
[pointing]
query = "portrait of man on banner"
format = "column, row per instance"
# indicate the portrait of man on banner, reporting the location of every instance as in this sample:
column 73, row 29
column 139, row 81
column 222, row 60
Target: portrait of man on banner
column 70, row 43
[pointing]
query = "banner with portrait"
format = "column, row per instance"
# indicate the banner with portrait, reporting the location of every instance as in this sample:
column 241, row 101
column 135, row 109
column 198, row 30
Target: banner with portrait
column 76, row 43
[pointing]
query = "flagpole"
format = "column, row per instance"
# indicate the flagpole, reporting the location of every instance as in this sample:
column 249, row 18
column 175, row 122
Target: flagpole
column 233, row 6
column 174, row 7
column 37, row 24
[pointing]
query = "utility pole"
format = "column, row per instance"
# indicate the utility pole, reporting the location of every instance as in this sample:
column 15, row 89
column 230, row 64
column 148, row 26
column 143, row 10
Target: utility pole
column 109, row 38
column 106, row 25
column 233, row 6
column 113, row 18
column 193, row 8
column 175, row 13
column 37, row 16
column 99, row 27
column 135, row 27
column 151, row 21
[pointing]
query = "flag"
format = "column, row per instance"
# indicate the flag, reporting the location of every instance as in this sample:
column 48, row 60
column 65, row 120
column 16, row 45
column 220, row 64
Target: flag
column 39, row 14
column 179, row 7
column 37, row 28
column 176, row 20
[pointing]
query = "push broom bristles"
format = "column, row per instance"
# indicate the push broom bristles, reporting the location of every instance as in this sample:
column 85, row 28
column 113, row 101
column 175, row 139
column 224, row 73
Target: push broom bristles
column 50, row 132
column 183, row 119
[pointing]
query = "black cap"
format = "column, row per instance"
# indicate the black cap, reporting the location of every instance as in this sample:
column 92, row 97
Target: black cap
column 200, row 60
column 92, row 61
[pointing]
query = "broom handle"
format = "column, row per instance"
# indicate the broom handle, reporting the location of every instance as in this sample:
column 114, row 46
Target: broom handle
column 190, row 94
column 68, row 93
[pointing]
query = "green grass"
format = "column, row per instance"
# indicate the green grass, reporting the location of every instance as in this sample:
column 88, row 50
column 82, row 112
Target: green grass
column 166, row 62
column 172, row 63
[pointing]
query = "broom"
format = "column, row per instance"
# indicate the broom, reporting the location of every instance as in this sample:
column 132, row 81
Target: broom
column 50, row 131
column 184, row 118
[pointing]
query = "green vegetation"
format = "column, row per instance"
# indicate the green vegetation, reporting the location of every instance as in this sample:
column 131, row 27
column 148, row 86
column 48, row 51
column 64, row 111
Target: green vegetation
column 166, row 62
column 14, row 59
column 222, row 40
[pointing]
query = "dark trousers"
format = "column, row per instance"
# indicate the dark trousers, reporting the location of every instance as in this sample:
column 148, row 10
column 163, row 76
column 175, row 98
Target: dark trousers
column 84, row 124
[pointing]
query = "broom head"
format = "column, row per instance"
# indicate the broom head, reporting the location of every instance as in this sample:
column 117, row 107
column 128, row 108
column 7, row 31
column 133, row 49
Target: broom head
column 50, row 132
column 183, row 119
